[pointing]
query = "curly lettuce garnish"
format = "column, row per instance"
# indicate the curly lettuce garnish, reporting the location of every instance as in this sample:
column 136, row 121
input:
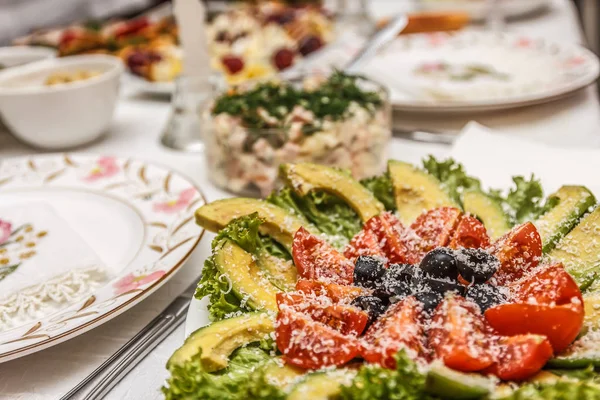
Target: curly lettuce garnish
column 383, row 190
column 329, row 213
column 452, row 175
column 241, row 380
column 372, row 382
column 567, row 389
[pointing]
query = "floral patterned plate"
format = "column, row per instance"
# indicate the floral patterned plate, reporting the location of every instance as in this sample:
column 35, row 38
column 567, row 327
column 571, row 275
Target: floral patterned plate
column 480, row 71
column 137, row 217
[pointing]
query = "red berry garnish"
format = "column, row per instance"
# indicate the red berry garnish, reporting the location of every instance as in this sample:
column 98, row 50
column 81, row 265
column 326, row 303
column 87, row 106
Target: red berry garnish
column 234, row 64
column 283, row 58
column 309, row 44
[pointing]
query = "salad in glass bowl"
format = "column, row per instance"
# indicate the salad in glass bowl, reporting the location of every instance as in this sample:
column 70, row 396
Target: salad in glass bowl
column 341, row 120
column 415, row 284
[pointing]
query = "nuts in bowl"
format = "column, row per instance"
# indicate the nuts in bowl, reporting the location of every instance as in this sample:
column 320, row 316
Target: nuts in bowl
column 341, row 120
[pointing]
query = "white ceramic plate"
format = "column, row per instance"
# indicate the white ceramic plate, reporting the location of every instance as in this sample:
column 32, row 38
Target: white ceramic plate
column 479, row 71
column 137, row 217
column 478, row 9
column 197, row 316
column 145, row 86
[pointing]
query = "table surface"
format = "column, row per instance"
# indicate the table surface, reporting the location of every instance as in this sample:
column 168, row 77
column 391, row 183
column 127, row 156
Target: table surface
column 135, row 131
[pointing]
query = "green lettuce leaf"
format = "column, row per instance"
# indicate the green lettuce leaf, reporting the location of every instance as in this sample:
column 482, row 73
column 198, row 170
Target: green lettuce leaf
column 382, row 188
column 376, row 383
column 563, row 390
column 330, row 214
column 452, row 175
column 525, row 201
column 239, row 381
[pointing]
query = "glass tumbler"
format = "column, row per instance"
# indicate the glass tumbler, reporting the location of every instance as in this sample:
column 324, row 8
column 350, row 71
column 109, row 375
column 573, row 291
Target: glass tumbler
column 183, row 131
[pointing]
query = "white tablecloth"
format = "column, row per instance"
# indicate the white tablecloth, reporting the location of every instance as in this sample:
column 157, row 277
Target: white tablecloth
column 135, row 131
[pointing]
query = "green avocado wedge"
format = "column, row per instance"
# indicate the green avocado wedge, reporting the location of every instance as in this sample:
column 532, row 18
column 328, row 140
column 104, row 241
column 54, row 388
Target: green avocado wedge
column 579, row 250
column 321, row 385
column 450, row 384
column 279, row 224
column 281, row 273
column 573, row 202
column 488, row 210
column 245, row 276
column 215, row 343
column 306, row 177
column 415, row 191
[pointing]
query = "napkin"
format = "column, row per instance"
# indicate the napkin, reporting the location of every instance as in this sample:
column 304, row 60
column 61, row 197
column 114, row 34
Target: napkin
column 495, row 158
column 44, row 264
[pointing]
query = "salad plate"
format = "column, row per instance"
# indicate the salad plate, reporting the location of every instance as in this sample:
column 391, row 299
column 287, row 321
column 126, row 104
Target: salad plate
column 83, row 238
column 472, row 71
column 478, row 9
column 418, row 283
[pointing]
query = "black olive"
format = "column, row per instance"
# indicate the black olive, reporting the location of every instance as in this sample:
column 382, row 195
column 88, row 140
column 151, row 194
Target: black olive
column 430, row 300
column 383, row 295
column 476, row 265
column 440, row 264
column 485, row 296
column 442, row 286
column 399, row 291
column 374, row 306
column 399, row 272
column 368, row 271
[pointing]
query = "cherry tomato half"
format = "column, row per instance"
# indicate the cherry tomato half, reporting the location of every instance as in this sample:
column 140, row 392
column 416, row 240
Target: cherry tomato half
column 337, row 293
column 547, row 285
column 519, row 251
column 560, row 324
column 346, row 319
column 311, row 345
column 399, row 327
column 469, row 233
column 364, row 243
column 316, row 259
column 435, row 228
column 459, row 337
column 520, row 357
column 392, row 237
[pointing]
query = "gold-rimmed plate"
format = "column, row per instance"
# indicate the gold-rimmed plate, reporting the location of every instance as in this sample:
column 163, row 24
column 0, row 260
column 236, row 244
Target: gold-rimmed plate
column 137, row 217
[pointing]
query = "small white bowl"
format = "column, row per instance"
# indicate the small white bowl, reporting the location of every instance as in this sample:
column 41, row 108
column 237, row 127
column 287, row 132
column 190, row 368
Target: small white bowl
column 14, row 56
column 65, row 115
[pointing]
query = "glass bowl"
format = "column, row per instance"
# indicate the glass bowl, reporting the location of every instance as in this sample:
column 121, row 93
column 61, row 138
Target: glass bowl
column 246, row 160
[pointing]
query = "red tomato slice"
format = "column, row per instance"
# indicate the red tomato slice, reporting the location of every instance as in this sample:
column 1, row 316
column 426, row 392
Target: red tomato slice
column 311, row 345
column 459, row 336
column 520, row 357
column 393, row 239
column 364, row 243
column 317, row 259
column 550, row 285
column 400, row 327
column 519, row 251
column 561, row 324
column 435, row 228
column 470, row 233
column 338, row 293
column 346, row 319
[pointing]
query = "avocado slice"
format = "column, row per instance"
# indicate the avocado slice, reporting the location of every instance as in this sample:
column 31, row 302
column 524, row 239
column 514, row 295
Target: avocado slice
column 579, row 250
column 449, row 384
column 215, row 343
column 321, row 385
column 305, row 177
column 573, row 202
column 247, row 280
column 488, row 210
column 281, row 375
column 279, row 224
column 416, row 191
column 281, row 273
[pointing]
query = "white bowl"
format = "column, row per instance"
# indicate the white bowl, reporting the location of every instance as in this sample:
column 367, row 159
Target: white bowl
column 65, row 115
column 19, row 55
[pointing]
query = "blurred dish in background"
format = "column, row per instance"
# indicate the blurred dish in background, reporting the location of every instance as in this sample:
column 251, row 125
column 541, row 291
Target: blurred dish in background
column 19, row 55
column 432, row 22
column 479, row 9
column 62, row 115
column 246, row 41
column 476, row 71
column 341, row 121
